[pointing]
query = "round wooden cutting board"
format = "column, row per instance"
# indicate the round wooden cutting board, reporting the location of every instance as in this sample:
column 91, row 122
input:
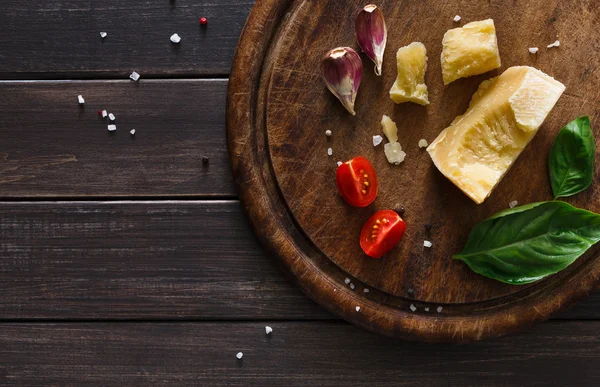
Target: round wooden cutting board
column 279, row 110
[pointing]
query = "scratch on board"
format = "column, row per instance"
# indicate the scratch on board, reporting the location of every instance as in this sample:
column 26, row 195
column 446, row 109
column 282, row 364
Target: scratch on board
column 12, row 170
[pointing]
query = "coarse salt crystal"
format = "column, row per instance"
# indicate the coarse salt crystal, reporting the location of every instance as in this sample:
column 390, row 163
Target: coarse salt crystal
column 358, row 308
column 352, row 286
column 103, row 34
column 339, row 163
column 239, row 355
column 329, row 151
column 457, row 18
column 135, row 76
column 426, row 309
column 328, row 133
column 533, row 50
column 175, row 38
column 394, row 153
column 377, row 140
column 132, row 132
column 555, row 44
column 513, row 204
column 104, row 113
column 80, row 99
column 366, row 290
column 423, row 143
column 268, row 330
column 347, row 281
column 413, row 307
column 112, row 117
column 427, row 244
column 439, row 309
column 112, row 128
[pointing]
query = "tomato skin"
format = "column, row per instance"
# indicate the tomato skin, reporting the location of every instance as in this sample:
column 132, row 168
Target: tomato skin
column 381, row 233
column 357, row 182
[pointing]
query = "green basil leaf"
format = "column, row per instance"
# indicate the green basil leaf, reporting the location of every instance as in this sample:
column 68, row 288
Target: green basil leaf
column 572, row 158
column 525, row 244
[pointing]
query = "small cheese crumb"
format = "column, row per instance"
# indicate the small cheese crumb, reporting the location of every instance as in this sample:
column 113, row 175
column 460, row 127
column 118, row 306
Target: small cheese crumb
column 132, row 132
column 427, row 244
column 268, row 330
column 457, row 18
column 413, row 307
column 339, row 163
column 555, row 44
column 394, row 153
column 135, row 76
column 439, row 309
column 112, row 128
column 112, row 117
column 533, row 50
column 175, row 38
column 328, row 133
column 103, row 34
column 426, row 309
column 104, row 113
column 423, row 143
column 352, row 286
column 347, row 281
column 358, row 308
column 513, row 204
column 80, row 99
column 329, row 151
column 377, row 140
column 239, row 355
column 366, row 290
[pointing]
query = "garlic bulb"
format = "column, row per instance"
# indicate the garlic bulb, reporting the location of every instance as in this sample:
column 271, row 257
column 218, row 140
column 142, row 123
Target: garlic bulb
column 341, row 70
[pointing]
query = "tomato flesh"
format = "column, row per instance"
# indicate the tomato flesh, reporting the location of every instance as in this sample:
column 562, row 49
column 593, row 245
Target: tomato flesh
column 381, row 233
column 357, row 182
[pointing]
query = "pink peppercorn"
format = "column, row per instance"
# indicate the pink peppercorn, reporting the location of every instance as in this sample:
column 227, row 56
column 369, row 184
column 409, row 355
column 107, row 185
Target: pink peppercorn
column 203, row 21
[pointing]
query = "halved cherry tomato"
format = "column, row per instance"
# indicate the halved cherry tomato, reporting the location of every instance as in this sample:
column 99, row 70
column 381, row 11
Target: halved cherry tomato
column 381, row 233
column 357, row 182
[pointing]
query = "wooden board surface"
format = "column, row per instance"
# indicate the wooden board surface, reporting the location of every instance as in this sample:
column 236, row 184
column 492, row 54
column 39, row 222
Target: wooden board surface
column 296, row 354
column 279, row 153
column 51, row 147
column 61, row 38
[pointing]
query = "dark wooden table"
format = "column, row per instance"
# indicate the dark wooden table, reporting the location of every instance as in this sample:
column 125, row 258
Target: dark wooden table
column 126, row 261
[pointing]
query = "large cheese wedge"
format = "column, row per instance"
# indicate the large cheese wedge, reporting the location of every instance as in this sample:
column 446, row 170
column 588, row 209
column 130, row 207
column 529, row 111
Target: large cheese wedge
column 470, row 50
column 479, row 147
column 410, row 83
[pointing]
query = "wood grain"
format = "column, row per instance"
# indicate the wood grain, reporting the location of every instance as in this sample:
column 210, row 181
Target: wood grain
column 296, row 354
column 279, row 154
column 52, row 147
column 139, row 260
column 61, row 38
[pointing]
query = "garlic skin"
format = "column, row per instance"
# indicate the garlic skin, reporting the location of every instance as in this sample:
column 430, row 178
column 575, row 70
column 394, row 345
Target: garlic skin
column 371, row 34
column 341, row 70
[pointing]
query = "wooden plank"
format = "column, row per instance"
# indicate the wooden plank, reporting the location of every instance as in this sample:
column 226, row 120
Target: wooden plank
column 295, row 354
column 139, row 260
column 148, row 260
column 61, row 38
column 52, row 147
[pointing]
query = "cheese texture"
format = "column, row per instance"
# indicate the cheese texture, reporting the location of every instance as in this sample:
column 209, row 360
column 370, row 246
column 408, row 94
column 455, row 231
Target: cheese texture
column 410, row 84
column 479, row 147
column 470, row 50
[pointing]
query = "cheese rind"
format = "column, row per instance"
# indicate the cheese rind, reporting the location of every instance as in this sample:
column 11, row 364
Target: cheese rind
column 410, row 84
column 479, row 147
column 470, row 50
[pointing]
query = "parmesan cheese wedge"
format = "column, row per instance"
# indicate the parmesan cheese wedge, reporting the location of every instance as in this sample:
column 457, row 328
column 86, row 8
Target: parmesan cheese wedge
column 470, row 50
column 479, row 147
